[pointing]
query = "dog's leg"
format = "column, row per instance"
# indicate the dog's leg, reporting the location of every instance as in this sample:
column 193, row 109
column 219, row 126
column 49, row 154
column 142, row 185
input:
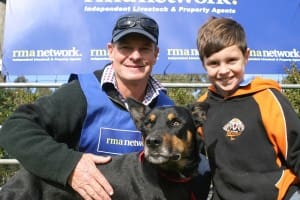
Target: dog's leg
column 21, row 186
column 24, row 185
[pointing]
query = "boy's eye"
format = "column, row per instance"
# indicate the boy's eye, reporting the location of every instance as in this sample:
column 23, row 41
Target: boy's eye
column 232, row 61
column 212, row 64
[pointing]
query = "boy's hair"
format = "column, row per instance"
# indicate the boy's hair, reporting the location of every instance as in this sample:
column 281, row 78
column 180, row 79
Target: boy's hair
column 219, row 33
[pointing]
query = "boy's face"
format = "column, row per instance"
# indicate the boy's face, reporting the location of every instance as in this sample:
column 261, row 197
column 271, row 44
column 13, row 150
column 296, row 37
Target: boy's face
column 226, row 68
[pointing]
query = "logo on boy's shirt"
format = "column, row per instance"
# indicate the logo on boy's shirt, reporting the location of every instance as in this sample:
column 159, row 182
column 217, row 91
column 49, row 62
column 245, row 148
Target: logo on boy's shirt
column 234, row 128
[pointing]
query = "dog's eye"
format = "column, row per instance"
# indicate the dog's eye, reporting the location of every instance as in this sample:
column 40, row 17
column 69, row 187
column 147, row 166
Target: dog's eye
column 174, row 123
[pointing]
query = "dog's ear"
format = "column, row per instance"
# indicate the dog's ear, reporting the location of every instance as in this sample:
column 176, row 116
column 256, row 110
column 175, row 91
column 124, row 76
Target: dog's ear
column 199, row 112
column 137, row 111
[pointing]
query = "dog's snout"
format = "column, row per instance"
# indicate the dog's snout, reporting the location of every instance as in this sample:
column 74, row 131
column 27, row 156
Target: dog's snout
column 154, row 141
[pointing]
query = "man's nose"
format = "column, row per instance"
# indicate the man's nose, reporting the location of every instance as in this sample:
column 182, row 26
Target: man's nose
column 136, row 54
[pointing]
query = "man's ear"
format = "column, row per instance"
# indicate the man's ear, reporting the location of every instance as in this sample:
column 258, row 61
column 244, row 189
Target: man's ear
column 137, row 111
column 199, row 112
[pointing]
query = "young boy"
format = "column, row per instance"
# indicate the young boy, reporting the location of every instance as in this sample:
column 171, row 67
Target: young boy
column 252, row 133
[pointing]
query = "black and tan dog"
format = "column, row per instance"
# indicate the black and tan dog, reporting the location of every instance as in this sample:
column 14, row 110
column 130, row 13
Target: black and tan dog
column 163, row 171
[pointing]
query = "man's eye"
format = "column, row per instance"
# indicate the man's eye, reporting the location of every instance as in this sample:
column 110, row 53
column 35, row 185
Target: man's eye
column 146, row 49
column 124, row 48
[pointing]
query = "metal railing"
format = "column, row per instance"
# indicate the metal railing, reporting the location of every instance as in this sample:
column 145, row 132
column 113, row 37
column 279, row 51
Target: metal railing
column 56, row 85
column 167, row 85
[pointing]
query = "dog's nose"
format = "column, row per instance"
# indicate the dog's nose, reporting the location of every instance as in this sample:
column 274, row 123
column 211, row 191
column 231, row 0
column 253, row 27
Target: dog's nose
column 153, row 141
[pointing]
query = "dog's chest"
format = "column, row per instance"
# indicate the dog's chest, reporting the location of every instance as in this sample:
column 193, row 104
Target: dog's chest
column 136, row 180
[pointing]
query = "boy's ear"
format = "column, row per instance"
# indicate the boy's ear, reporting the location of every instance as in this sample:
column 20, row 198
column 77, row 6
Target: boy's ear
column 199, row 112
column 137, row 111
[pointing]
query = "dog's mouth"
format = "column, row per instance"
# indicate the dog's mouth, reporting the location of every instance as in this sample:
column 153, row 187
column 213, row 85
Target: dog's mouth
column 175, row 157
column 160, row 158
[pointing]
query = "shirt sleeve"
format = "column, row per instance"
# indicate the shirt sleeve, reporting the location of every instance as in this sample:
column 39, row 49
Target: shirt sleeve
column 283, row 127
column 43, row 135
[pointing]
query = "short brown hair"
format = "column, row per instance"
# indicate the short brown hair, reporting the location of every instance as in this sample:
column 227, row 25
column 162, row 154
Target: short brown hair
column 219, row 33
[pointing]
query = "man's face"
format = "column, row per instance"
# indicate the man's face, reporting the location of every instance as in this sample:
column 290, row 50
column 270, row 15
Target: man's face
column 226, row 68
column 133, row 57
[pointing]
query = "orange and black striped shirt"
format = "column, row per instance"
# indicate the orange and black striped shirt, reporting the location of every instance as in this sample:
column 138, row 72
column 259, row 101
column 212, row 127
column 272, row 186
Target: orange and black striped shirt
column 253, row 142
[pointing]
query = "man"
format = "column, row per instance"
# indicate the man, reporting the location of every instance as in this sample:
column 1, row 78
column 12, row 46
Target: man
column 57, row 136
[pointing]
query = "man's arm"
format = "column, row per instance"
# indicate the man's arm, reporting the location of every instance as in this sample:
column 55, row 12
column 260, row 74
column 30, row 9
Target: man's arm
column 43, row 135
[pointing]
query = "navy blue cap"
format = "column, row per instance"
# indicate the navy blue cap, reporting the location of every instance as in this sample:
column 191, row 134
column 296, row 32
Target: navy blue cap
column 135, row 22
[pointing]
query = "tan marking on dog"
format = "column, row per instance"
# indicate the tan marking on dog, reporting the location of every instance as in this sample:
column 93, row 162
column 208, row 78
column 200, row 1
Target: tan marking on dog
column 189, row 137
column 152, row 118
column 171, row 116
column 180, row 147
column 178, row 144
column 167, row 139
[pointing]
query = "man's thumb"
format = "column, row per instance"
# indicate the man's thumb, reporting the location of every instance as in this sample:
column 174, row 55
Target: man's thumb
column 101, row 159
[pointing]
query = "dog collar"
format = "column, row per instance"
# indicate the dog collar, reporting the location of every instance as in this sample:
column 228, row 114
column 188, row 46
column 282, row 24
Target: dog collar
column 142, row 156
column 181, row 179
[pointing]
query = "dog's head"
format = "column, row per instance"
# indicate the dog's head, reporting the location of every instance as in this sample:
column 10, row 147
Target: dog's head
column 170, row 134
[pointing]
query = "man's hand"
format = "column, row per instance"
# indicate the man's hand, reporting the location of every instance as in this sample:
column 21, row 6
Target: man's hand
column 88, row 181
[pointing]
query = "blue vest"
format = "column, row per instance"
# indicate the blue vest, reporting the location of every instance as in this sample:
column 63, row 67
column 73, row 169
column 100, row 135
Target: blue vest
column 107, row 128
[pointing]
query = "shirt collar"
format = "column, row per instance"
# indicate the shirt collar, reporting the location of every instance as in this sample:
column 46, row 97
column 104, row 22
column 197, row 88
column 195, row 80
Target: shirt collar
column 153, row 86
column 246, row 81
